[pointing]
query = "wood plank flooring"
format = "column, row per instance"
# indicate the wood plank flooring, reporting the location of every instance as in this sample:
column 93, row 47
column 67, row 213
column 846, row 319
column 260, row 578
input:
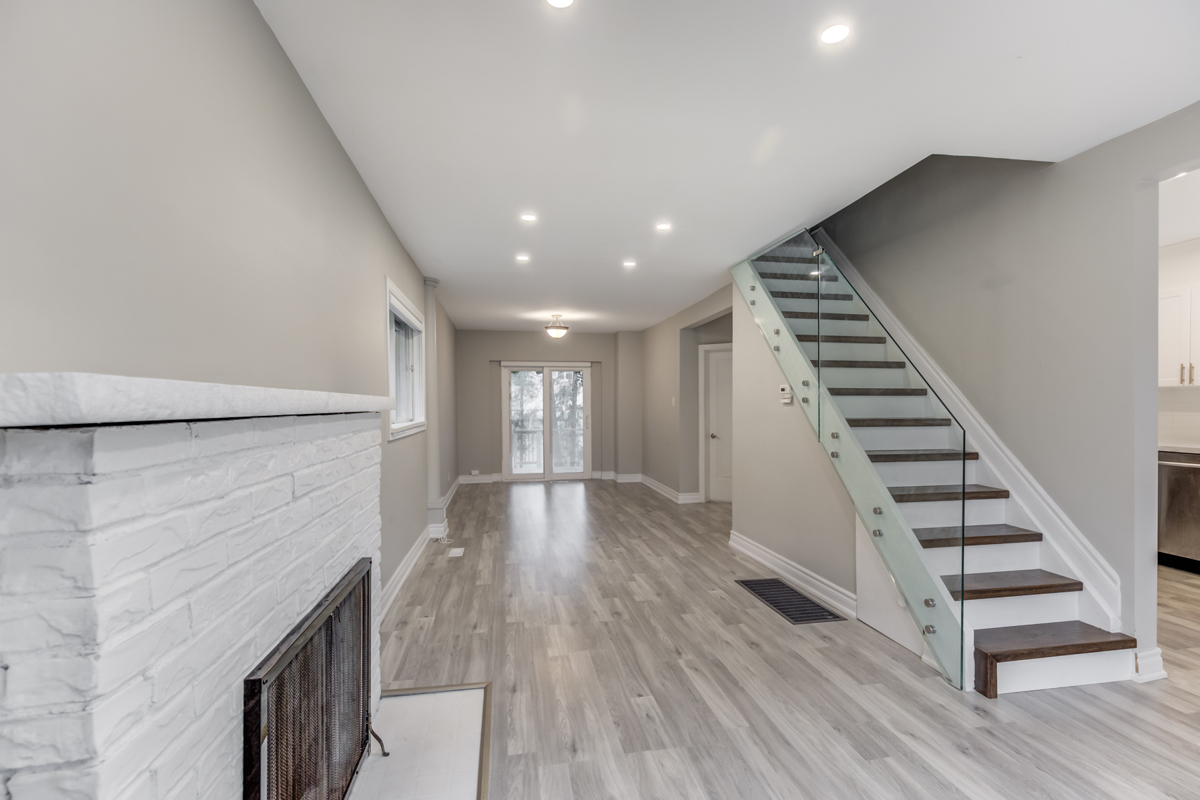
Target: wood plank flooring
column 628, row 664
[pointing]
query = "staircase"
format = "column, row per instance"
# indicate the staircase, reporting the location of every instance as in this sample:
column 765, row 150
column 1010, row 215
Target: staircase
column 971, row 577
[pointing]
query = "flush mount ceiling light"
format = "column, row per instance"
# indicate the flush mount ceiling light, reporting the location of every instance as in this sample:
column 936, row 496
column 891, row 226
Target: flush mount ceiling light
column 522, row 257
column 629, row 262
column 835, row 34
column 560, row 3
column 529, row 217
column 663, row 226
column 556, row 329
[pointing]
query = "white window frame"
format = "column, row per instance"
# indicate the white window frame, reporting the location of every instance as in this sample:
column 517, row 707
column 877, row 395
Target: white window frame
column 399, row 305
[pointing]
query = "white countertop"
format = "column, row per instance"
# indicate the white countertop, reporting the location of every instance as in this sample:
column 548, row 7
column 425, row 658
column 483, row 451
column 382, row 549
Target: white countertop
column 1179, row 448
column 39, row 399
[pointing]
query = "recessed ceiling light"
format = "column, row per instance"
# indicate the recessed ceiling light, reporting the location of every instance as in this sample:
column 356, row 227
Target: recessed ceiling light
column 529, row 217
column 560, row 3
column 522, row 257
column 629, row 262
column 663, row 226
column 835, row 34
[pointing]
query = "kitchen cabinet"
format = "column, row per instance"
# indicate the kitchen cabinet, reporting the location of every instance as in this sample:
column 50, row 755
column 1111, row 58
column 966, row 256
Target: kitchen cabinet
column 1178, row 335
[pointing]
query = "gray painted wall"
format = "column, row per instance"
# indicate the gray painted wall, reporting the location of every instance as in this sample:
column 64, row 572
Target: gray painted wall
column 630, row 398
column 1035, row 288
column 173, row 205
column 670, row 454
column 786, row 496
column 479, row 354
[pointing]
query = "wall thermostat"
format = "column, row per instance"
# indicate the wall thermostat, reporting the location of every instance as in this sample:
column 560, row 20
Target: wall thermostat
column 785, row 394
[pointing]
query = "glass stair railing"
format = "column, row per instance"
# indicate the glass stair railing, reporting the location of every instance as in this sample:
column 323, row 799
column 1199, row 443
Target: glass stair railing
column 899, row 452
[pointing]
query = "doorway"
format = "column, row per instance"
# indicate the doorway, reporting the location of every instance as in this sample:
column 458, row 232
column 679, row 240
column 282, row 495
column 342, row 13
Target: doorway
column 546, row 422
column 716, row 422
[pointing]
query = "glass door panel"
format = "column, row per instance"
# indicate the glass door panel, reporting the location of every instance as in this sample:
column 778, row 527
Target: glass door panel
column 568, row 415
column 526, row 422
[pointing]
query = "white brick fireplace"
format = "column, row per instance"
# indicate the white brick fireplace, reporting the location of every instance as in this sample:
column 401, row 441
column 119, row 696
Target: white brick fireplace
column 150, row 556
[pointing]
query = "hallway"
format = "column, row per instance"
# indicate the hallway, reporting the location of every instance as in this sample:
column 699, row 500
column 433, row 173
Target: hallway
column 627, row 663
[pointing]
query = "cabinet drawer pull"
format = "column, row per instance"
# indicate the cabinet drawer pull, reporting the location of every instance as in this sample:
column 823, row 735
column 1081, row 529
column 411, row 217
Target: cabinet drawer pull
column 1181, row 373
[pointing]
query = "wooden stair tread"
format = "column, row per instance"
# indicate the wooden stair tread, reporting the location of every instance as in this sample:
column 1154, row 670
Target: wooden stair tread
column 847, row 364
column 892, row 456
column 972, row 535
column 788, row 259
column 898, row 422
column 953, row 491
column 858, row 391
column 1049, row 639
column 824, row 315
column 811, row 296
column 1043, row 640
column 812, row 337
column 1012, row 583
column 787, row 276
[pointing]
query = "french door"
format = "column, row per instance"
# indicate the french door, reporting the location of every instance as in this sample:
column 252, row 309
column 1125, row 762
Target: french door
column 547, row 420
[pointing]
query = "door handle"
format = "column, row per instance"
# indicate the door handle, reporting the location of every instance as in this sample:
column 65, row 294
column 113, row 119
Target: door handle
column 712, row 436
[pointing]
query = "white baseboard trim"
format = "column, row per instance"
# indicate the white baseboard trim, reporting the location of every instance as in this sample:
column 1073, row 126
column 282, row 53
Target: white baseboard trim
column 392, row 589
column 1149, row 666
column 1100, row 580
column 491, row 478
column 668, row 492
column 435, row 530
column 606, row 476
column 450, row 494
column 824, row 592
column 629, row 478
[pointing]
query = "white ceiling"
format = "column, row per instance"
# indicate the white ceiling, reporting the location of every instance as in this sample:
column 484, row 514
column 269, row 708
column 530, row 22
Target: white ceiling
column 730, row 119
column 1179, row 209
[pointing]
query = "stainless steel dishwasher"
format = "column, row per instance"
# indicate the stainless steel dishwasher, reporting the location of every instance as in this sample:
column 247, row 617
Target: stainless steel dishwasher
column 1179, row 509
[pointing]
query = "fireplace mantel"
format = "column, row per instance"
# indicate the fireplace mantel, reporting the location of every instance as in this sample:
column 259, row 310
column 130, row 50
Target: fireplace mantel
column 47, row 399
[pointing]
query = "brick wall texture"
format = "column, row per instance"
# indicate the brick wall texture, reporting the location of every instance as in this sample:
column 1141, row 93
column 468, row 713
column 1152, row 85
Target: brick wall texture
column 144, row 571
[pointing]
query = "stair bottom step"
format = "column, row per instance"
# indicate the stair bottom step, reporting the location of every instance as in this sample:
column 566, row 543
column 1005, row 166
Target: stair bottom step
column 995, row 646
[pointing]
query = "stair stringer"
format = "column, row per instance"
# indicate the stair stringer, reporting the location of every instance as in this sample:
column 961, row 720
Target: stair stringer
column 1064, row 547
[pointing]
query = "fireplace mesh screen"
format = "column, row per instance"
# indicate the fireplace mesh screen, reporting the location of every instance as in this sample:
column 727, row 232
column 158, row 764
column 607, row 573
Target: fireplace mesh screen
column 313, row 703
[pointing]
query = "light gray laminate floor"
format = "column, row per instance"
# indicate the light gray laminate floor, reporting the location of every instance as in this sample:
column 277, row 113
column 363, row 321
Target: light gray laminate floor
column 628, row 664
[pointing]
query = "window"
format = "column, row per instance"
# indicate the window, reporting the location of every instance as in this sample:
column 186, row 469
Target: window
column 406, row 356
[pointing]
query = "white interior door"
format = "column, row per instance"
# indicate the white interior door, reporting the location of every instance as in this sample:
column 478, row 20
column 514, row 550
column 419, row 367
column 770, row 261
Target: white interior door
column 546, row 421
column 1174, row 336
column 718, row 408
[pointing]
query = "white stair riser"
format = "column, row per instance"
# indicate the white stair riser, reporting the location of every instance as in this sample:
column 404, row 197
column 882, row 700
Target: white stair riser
column 1031, row 609
column 830, row 327
column 857, row 351
column 1059, row 671
column 983, row 558
column 857, row 376
column 882, row 406
column 930, row 438
column 925, row 473
column 950, row 512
